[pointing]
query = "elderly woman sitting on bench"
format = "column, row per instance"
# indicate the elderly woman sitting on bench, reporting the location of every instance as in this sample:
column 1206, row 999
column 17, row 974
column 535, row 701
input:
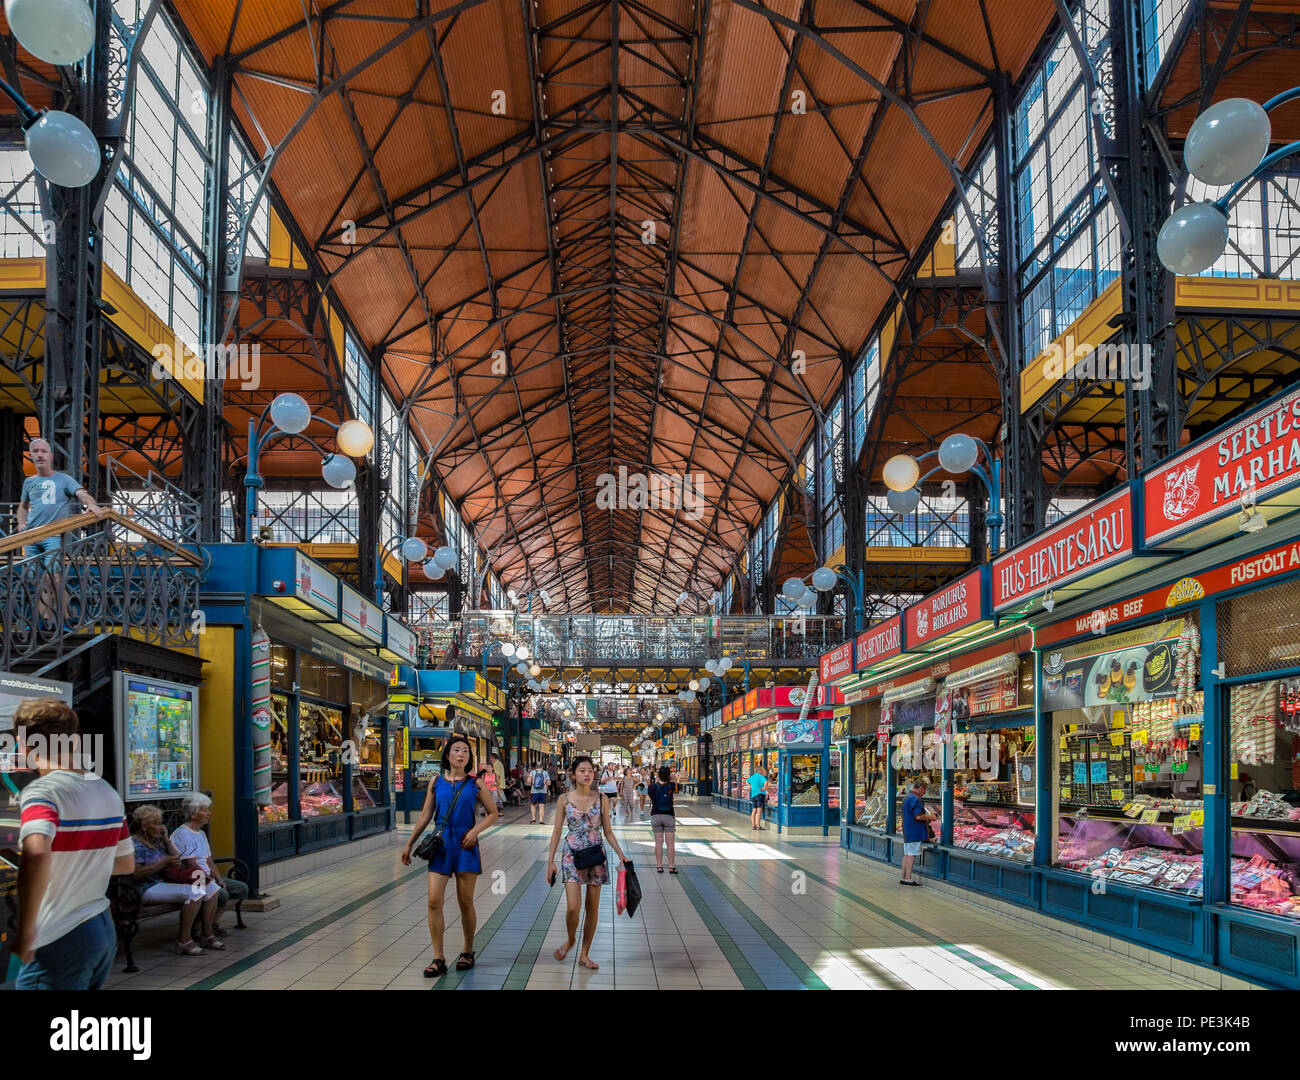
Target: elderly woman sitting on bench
column 163, row 880
column 192, row 846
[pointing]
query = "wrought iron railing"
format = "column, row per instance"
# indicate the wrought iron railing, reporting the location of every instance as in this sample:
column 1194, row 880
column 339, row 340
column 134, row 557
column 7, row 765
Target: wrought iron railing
column 153, row 501
column 647, row 640
column 109, row 575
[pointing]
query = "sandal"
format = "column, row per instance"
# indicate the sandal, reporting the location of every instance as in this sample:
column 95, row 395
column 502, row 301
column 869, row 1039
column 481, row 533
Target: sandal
column 212, row 943
column 437, row 968
column 672, row 869
column 659, row 869
column 588, row 963
column 188, row 948
column 465, row 961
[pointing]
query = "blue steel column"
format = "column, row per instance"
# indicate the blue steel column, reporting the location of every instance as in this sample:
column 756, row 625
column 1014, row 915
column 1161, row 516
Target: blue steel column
column 945, row 750
column 1216, row 837
column 1044, row 773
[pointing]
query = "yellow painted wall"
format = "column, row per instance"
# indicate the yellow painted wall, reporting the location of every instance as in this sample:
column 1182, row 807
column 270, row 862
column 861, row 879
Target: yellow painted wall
column 217, row 733
column 942, row 260
column 149, row 331
column 282, row 251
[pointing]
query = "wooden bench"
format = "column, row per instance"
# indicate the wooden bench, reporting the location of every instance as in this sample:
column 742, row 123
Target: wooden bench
column 129, row 909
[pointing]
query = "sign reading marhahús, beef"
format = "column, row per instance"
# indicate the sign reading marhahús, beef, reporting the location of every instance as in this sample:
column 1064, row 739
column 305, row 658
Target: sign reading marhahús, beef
column 1080, row 545
column 1259, row 455
column 951, row 608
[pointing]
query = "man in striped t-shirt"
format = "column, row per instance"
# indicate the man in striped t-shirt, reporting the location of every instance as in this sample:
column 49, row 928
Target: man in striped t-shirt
column 73, row 838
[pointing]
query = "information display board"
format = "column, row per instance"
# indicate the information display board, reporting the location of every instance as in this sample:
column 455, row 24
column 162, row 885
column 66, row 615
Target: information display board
column 157, row 737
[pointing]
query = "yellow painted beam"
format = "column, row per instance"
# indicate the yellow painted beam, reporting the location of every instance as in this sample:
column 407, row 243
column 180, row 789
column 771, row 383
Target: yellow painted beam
column 153, row 335
column 1090, row 327
column 22, row 275
column 931, row 554
column 1236, row 294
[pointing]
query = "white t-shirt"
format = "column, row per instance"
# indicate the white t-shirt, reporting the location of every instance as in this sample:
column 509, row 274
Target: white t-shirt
column 190, row 844
column 83, row 817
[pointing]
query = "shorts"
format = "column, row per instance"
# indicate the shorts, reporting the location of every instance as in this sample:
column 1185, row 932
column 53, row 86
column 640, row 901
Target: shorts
column 48, row 549
column 664, row 823
column 539, row 796
column 913, row 848
column 80, row 960
column 758, row 802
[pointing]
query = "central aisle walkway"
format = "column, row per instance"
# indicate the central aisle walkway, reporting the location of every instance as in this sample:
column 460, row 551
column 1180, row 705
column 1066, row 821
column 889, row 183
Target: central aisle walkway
column 748, row 911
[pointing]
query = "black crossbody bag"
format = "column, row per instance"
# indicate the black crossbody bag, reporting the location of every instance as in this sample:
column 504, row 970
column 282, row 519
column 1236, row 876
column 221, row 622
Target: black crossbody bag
column 433, row 844
column 593, row 855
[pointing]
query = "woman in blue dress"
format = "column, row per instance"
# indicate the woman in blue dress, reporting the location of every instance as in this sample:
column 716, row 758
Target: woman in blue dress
column 451, row 799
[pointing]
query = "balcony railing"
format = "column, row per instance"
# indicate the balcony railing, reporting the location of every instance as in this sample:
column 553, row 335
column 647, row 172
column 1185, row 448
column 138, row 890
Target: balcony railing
column 647, row 640
column 112, row 575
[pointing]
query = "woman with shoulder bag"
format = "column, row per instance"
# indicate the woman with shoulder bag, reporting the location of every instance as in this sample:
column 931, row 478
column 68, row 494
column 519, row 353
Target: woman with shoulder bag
column 452, row 847
column 585, row 813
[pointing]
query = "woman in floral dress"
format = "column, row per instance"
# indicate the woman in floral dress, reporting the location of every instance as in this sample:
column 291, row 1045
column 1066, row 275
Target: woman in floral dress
column 584, row 813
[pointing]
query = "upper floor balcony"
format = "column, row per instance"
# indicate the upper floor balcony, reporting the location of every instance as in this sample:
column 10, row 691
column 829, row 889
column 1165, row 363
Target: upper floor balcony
column 581, row 641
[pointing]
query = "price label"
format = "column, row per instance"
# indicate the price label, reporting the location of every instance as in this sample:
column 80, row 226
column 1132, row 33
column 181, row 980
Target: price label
column 1197, row 818
column 1182, row 822
column 1150, row 816
column 1064, row 744
column 1117, row 738
column 1234, row 770
column 1194, row 732
column 1139, row 738
column 1065, row 793
column 1117, row 720
column 1117, row 794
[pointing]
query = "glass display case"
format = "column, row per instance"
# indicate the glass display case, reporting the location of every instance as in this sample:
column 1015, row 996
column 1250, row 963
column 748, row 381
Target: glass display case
column 1264, row 788
column 868, row 781
column 369, row 769
column 833, row 779
column 363, row 798
column 279, row 810
column 993, row 791
column 320, row 759
column 1129, row 793
column 913, row 763
column 805, row 780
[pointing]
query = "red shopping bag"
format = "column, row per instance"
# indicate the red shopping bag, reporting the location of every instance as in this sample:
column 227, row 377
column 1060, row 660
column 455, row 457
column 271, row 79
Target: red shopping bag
column 620, row 900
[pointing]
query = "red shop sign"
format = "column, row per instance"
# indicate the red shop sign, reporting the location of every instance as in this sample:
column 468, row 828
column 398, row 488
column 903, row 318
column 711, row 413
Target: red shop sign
column 837, row 663
column 951, row 608
column 1207, row 480
column 1085, row 542
column 1187, row 590
column 879, row 643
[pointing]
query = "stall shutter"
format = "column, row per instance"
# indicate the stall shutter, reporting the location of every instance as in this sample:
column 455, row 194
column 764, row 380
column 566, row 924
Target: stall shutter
column 1260, row 631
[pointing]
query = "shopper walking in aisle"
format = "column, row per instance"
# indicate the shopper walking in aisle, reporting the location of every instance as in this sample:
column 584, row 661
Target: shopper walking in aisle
column 163, row 880
column 642, row 783
column 537, row 782
column 499, row 774
column 916, row 829
column 585, row 815
column 629, row 792
column 452, row 800
column 609, row 789
column 757, row 797
column 73, row 838
column 663, row 820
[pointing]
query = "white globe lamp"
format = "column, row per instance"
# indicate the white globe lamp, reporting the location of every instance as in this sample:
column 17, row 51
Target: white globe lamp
column 958, row 453
column 904, row 502
column 290, row 413
column 445, row 557
column 63, row 149
column 1193, row 239
column 901, row 472
column 824, row 579
column 338, row 471
column 57, row 31
column 355, row 438
column 414, row 549
column 1227, row 141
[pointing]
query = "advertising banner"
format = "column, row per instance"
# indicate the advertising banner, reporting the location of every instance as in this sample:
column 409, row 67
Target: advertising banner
column 1259, row 454
column 261, row 717
column 1081, row 544
column 1139, row 665
column 316, row 586
column 879, row 643
column 952, row 608
column 837, row 663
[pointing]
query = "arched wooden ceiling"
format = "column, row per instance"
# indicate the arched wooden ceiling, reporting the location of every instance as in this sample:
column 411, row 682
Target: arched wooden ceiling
column 482, row 176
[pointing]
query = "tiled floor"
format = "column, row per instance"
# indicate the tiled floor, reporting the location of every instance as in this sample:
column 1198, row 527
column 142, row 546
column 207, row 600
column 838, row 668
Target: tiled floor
column 747, row 911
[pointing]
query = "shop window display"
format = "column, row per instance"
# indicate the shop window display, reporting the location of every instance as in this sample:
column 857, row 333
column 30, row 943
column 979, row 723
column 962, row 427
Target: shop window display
column 833, row 780
column 1264, row 787
column 320, row 759
column 805, row 780
column 368, row 782
column 868, row 784
column 279, row 809
column 993, row 792
column 914, row 759
column 1129, row 759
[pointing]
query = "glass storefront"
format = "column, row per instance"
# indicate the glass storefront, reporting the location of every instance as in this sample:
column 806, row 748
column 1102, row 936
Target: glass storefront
column 1129, row 756
column 994, row 791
